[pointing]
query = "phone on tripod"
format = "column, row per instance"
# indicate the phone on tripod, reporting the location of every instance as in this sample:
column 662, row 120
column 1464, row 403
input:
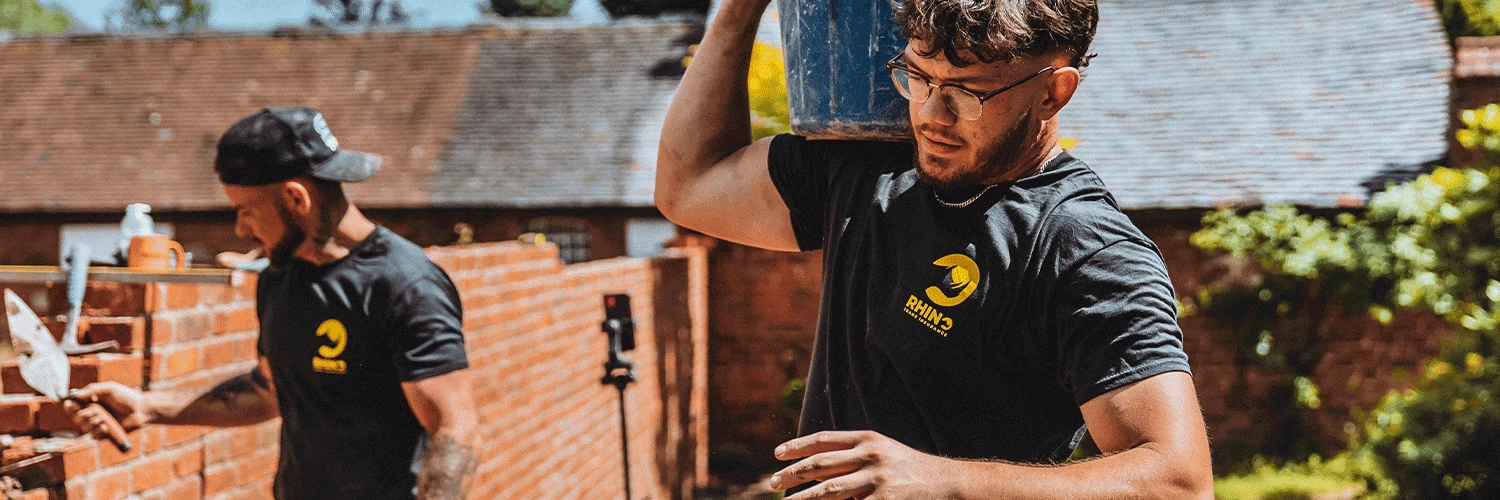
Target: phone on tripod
column 618, row 323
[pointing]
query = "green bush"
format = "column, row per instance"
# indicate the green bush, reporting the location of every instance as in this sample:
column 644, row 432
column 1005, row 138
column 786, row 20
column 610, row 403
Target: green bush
column 1470, row 17
column 1358, row 473
column 1441, row 439
column 1430, row 245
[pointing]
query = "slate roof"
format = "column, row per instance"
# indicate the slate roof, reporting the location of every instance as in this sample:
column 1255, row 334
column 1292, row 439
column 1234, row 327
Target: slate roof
column 1477, row 57
column 529, row 114
column 1205, row 103
column 564, row 117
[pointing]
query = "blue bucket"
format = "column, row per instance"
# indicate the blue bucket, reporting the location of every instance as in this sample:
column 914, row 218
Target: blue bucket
column 836, row 79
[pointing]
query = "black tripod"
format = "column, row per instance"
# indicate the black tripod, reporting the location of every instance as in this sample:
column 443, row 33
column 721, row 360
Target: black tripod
column 619, row 371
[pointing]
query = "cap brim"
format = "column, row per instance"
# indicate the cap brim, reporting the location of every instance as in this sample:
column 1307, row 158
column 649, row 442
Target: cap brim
column 347, row 165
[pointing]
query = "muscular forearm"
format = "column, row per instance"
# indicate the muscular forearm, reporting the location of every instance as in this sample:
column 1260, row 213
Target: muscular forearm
column 710, row 115
column 1141, row 472
column 448, row 467
column 243, row 400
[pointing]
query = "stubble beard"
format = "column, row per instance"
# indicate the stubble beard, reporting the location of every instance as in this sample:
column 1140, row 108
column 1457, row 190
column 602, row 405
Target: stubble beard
column 286, row 249
column 995, row 160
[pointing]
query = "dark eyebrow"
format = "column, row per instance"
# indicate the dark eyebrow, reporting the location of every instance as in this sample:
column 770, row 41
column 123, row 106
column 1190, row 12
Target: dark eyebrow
column 923, row 72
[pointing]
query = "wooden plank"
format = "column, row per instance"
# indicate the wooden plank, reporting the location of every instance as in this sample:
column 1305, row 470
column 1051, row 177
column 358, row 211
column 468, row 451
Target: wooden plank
column 54, row 274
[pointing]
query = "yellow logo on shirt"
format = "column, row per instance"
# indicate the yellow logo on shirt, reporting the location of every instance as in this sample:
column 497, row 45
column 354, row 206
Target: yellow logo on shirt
column 962, row 279
column 325, row 361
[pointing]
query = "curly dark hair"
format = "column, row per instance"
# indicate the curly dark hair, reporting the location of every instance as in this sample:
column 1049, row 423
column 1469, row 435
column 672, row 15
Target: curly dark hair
column 1000, row 30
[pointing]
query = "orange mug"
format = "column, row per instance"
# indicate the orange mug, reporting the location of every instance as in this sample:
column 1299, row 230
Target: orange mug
column 155, row 251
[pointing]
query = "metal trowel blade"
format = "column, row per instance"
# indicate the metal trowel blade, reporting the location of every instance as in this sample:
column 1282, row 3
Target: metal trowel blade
column 43, row 364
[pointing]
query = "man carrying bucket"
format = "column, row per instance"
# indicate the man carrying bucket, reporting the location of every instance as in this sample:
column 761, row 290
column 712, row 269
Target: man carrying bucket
column 361, row 336
column 985, row 302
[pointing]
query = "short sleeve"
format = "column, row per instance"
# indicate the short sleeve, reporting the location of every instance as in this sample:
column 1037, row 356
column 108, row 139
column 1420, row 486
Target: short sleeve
column 801, row 173
column 1116, row 321
column 427, row 329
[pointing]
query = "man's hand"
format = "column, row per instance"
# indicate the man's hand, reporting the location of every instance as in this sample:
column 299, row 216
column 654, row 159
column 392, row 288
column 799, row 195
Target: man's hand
column 127, row 405
column 860, row 464
column 1150, row 431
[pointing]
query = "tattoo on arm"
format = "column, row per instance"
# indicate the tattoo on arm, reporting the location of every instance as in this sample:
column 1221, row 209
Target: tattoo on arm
column 242, row 400
column 447, row 469
column 230, row 392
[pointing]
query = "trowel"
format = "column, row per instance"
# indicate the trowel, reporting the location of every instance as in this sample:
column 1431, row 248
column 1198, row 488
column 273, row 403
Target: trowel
column 43, row 364
column 78, row 279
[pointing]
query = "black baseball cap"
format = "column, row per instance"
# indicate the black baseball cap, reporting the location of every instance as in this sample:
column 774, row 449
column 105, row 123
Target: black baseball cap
column 277, row 144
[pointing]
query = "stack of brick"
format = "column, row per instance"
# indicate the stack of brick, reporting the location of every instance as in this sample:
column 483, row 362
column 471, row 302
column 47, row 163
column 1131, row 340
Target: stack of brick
column 550, row 427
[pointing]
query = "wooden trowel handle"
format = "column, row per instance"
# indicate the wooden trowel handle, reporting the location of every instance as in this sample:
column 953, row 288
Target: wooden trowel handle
column 112, row 427
column 116, row 431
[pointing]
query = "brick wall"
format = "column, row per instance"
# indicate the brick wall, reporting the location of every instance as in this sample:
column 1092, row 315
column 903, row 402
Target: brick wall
column 765, row 307
column 34, row 239
column 550, row 428
column 763, row 315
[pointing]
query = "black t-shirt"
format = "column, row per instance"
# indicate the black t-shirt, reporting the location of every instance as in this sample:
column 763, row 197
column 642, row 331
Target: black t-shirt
column 340, row 339
column 971, row 332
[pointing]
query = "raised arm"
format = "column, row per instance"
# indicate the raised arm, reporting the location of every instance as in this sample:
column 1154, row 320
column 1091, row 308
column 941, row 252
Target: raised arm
column 709, row 176
column 245, row 399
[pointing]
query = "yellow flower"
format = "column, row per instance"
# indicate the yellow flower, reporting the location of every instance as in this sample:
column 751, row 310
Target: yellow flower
column 1447, row 178
column 1067, row 142
column 1438, row 369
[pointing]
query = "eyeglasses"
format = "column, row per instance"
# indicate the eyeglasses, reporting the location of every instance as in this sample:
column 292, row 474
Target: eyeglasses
column 965, row 103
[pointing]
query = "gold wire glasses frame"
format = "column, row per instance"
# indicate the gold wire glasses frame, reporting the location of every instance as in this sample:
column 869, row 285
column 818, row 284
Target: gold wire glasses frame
column 965, row 103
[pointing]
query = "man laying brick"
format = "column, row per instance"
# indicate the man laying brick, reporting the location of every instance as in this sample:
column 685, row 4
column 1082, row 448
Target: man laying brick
column 361, row 344
column 984, row 298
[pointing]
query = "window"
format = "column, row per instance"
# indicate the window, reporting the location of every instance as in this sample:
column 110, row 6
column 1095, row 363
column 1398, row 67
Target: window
column 100, row 238
column 571, row 236
column 647, row 237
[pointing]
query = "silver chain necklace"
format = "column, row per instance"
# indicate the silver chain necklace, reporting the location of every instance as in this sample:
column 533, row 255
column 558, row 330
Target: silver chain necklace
column 970, row 201
column 965, row 203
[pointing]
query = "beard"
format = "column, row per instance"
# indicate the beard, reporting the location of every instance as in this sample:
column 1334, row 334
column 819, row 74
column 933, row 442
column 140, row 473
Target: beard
column 284, row 251
column 993, row 160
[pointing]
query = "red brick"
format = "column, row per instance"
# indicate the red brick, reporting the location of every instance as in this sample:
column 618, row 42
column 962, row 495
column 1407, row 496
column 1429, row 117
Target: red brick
column 151, row 472
column 100, row 299
column 187, row 488
column 220, row 353
column 129, row 332
column 188, row 462
column 180, row 327
column 229, row 444
column 83, row 370
column 152, row 439
column 258, row 465
column 112, row 485
column 177, row 434
column 50, row 417
column 123, row 368
column 218, row 479
column 77, row 489
column 79, row 458
column 180, row 362
column 179, row 296
column 241, row 319
column 109, row 455
column 18, row 413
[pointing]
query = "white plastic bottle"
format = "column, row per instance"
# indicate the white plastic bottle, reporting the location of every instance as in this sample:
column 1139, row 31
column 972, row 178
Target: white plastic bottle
column 137, row 222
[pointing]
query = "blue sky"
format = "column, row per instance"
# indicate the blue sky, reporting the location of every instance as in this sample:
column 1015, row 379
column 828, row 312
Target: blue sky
column 254, row 15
